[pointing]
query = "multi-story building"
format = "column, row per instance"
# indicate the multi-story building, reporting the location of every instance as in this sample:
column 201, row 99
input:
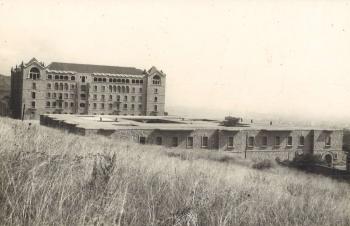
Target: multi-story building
column 67, row 88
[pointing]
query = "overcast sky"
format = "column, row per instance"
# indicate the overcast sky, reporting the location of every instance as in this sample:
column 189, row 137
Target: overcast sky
column 271, row 57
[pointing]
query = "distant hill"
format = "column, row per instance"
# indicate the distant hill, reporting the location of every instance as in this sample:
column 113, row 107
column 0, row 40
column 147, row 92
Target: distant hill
column 5, row 85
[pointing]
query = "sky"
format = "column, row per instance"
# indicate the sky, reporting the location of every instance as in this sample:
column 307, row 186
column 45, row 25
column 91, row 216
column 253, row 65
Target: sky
column 277, row 58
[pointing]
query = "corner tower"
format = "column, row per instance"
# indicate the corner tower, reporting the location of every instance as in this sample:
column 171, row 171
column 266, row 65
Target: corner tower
column 155, row 97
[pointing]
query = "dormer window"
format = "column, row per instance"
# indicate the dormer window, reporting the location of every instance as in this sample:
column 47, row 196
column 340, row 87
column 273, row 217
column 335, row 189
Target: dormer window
column 156, row 80
column 34, row 73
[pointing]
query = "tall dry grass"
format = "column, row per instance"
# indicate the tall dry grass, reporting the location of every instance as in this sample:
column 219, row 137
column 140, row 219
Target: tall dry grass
column 48, row 177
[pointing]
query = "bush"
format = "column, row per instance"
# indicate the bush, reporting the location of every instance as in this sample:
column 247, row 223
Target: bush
column 309, row 159
column 264, row 164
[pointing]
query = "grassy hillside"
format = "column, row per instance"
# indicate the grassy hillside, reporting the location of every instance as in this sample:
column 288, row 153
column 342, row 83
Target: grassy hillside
column 5, row 85
column 49, row 177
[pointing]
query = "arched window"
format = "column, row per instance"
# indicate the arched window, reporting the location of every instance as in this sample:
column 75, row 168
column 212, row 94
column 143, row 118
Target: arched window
column 127, row 81
column 56, row 86
column 61, row 77
column 114, row 80
column 34, row 73
column 72, row 78
column 123, row 89
column 48, row 104
column 110, row 88
column 114, row 89
column 119, row 89
column 155, row 99
column 57, row 77
column 127, row 89
column 66, row 77
column 66, row 86
column 156, row 80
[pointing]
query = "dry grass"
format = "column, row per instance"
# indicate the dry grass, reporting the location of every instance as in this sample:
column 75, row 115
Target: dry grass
column 48, row 177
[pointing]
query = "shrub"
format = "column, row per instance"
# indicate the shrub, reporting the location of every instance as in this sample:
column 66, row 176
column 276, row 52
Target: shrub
column 264, row 164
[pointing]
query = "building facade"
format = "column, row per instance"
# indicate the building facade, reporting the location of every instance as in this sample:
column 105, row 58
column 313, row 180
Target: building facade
column 66, row 88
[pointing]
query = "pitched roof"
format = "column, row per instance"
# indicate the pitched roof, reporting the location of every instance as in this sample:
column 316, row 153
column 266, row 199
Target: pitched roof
column 90, row 68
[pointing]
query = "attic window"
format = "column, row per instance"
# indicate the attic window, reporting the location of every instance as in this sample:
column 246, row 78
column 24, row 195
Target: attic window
column 34, row 73
column 156, row 80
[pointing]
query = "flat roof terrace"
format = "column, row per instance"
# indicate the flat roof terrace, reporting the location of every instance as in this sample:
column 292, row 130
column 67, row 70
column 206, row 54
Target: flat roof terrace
column 166, row 123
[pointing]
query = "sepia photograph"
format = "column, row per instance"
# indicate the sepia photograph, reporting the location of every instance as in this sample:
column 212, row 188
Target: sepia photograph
column 169, row 113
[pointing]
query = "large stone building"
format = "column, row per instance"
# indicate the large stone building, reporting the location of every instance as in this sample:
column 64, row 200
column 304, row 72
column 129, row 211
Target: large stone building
column 66, row 88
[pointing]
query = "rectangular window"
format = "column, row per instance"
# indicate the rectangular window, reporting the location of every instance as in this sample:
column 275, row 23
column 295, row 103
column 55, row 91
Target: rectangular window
column 83, row 87
column 95, row 88
column 110, row 106
column 33, row 95
column 290, row 141
column 328, row 141
column 205, row 141
column 95, row 105
column 142, row 140
column 83, row 96
column 103, row 88
column 140, row 98
column 95, row 97
column 174, row 141
column 66, row 96
column 48, row 85
column 159, row 140
column 140, row 90
column 264, row 141
column 277, row 141
column 301, row 141
column 125, row 106
column 230, row 142
column 189, row 142
column 48, row 95
column 103, row 106
column 251, row 141
column 34, row 85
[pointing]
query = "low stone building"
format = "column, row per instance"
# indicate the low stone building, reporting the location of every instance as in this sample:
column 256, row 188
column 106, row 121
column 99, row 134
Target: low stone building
column 244, row 140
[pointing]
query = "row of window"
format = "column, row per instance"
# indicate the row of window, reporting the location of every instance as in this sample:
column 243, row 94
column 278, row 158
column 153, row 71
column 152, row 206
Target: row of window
column 63, row 96
column 175, row 141
column 110, row 106
column 55, row 104
column 95, row 97
column 114, row 89
column 60, row 86
column 119, row 80
column 118, row 98
column 230, row 141
column 61, row 77
column 119, row 89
